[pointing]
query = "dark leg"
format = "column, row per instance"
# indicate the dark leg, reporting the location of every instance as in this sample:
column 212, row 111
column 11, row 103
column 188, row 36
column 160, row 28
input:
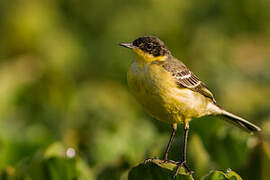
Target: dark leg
column 185, row 143
column 165, row 157
column 183, row 162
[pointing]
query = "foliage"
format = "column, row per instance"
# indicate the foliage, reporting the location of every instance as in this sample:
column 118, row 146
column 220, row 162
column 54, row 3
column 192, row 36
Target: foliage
column 63, row 81
column 218, row 175
column 158, row 170
column 53, row 164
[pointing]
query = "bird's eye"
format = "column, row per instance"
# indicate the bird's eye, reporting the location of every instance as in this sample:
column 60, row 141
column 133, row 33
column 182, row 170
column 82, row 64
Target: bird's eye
column 149, row 46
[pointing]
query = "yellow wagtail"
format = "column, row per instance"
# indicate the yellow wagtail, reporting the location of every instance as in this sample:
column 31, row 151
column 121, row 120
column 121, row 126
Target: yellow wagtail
column 170, row 92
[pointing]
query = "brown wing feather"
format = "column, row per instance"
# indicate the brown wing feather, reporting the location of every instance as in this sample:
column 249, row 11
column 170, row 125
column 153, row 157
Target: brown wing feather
column 185, row 78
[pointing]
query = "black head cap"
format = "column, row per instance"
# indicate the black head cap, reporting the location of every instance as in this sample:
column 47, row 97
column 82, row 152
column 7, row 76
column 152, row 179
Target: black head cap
column 151, row 45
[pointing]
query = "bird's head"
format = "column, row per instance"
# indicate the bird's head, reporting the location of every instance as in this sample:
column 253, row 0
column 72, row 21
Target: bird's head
column 148, row 48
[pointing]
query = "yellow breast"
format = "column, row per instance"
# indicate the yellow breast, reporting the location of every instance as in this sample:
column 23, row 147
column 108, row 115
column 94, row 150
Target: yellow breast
column 158, row 92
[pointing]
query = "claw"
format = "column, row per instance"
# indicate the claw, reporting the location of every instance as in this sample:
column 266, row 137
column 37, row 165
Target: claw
column 188, row 169
column 182, row 164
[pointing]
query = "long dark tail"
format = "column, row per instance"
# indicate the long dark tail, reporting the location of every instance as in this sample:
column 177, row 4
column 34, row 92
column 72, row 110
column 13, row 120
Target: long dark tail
column 240, row 122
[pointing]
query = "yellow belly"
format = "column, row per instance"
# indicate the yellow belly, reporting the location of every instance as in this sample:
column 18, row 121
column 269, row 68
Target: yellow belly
column 157, row 91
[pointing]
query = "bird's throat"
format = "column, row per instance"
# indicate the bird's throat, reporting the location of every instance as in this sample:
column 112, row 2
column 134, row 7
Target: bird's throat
column 145, row 58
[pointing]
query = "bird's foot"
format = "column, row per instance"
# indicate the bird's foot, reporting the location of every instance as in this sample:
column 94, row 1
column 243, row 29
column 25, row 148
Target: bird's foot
column 182, row 164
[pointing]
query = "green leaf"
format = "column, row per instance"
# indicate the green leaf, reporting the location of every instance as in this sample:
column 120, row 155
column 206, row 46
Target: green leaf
column 219, row 175
column 157, row 170
column 55, row 150
column 53, row 164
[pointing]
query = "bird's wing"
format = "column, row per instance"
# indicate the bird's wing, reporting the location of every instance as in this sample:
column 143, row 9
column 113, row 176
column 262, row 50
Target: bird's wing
column 185, row 78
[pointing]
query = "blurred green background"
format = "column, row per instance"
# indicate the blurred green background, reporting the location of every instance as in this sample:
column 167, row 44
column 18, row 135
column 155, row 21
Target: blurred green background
column 65, row 109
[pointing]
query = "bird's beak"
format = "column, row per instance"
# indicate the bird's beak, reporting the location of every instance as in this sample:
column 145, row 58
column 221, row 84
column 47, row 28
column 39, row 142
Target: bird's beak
column 128, row 45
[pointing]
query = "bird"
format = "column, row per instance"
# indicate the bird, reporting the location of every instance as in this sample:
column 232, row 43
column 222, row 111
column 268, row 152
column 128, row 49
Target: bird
column 172, row 93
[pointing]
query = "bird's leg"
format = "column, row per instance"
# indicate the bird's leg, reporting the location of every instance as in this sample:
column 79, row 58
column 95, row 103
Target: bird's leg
column 183, row 162
column 165, row 157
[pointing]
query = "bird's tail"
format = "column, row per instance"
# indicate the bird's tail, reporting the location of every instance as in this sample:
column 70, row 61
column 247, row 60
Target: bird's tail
column 240, row 122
